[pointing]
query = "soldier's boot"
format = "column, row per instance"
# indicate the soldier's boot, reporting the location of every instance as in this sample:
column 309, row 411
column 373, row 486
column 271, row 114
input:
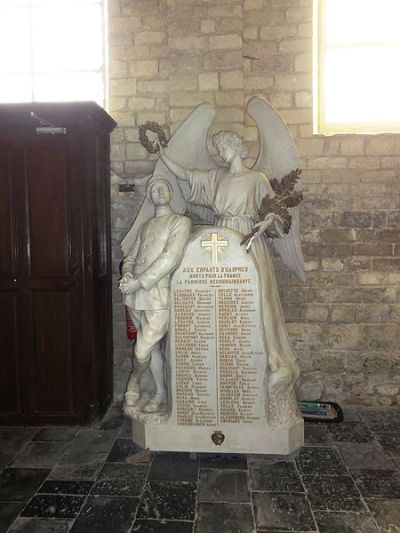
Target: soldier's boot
column 132, row 394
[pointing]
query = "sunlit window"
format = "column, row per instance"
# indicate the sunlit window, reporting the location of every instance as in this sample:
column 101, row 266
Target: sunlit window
column 358, row 66
column 52, row 50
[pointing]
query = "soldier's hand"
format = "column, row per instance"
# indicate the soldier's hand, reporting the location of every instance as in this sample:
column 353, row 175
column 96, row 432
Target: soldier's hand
column 128, row 285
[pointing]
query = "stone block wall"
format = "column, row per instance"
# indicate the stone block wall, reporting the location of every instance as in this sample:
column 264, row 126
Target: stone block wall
column 167, row 56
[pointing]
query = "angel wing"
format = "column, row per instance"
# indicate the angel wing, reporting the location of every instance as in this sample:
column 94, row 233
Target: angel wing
column 277, row 157
column 188, row 147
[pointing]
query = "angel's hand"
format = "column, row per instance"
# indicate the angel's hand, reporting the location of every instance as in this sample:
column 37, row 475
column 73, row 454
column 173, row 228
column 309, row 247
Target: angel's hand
column 262, row 226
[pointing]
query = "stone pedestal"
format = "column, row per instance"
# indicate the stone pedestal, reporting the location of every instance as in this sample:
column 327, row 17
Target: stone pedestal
column 216, row 360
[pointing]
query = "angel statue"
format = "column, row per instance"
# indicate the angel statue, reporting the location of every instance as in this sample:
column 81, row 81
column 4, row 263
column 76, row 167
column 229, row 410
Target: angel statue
column 231, row 195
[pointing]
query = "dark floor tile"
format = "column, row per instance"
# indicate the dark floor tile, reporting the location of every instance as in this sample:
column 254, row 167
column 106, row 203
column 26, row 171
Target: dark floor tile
column 287, row 512
column 121, row 480
column 57, row 434
column 336, row 522
column 84, row 472
column 365, row 456
column 274, row 476
column 378, row 483
column 175, row 501
column 333, row 493
column 316, row 435
column 162, row 526
column 53, row 506
column 386, row 514
column 6, row 459
column 93, row 441
column 321, row 461
column 80, row 488
column 8, row 513
column 122, row 449
column 40, row 525
column 20, row 484
column 83, row 459
column 103, row 514
column 40, row 455
column 350, row 432
column 174, row 467
column 351, row 412
column 13, row 439
column 230, row 486
column 380, row 418
column 390, row 442
column 224, row 518
column 396, row 462
column 223, row 460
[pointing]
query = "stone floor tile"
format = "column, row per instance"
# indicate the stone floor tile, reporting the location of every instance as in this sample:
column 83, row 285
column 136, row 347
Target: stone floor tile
column 174, row 467
column 103, row 514
column 321, row 461
column 350, row 432
column 84, row 472
column 224, row 518
column 381, row 418
column 336, row 522
column 79, row 488
column 93, row 441
column 396, row 462
column 122, row 449
column 8, row 513
column 82, row 458
column 316, row 435
column 386, row 514
column 351, row 412
column 6, row 459
column 40, row 525
column 333, row 493
column 365, row 456
column 223, row 460
column 20, row 484
column 13, row 439
column 378, row 483
column 53, row 506
column 161, row 526
column 121, row 480
column 274, row 476
column 287, row 512
column 231, row 486
column 57, row 434
column 170, row 500
column 40, row 455
column 390, row 442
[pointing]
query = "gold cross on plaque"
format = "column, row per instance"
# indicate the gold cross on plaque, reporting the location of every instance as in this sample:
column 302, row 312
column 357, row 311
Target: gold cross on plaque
column 215, row 244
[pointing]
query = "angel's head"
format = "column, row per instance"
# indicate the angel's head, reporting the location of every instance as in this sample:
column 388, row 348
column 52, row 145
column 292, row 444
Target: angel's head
column 228, row 145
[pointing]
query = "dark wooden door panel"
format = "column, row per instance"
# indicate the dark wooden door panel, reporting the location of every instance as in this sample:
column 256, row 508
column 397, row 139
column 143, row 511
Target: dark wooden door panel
column 7, row 217
column 52, row 353
column 9, row 353
column 47, row 199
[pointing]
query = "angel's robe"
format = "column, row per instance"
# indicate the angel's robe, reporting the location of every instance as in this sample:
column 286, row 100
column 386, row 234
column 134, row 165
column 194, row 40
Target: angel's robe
column 235, row 200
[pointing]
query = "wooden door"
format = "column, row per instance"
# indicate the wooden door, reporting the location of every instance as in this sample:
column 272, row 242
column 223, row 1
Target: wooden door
column 41, row 290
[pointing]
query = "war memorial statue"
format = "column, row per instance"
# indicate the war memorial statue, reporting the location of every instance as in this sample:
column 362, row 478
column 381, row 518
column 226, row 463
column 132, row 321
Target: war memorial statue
column 222, row 368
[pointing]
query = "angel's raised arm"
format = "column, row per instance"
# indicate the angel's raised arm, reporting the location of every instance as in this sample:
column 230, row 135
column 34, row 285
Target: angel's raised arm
column 178, row 170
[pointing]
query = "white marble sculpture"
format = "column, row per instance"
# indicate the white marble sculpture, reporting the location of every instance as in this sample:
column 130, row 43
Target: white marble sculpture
column 229, row 195
column 145, row 282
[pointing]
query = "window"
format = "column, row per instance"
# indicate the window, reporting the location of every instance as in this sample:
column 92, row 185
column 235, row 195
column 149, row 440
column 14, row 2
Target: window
column 52, row 50
column 357, row 66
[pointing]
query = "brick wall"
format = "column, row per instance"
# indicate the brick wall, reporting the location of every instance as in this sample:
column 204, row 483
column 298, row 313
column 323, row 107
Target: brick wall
column 167, row 56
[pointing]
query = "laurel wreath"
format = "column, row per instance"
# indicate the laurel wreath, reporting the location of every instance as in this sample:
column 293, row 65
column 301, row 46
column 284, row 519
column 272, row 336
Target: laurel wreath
column 152, row 147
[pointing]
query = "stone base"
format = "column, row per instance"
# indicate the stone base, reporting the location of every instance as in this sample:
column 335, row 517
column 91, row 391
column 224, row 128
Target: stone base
column 282, row 440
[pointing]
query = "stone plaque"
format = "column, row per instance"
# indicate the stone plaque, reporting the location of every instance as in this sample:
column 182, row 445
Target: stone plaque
column 216, row 355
